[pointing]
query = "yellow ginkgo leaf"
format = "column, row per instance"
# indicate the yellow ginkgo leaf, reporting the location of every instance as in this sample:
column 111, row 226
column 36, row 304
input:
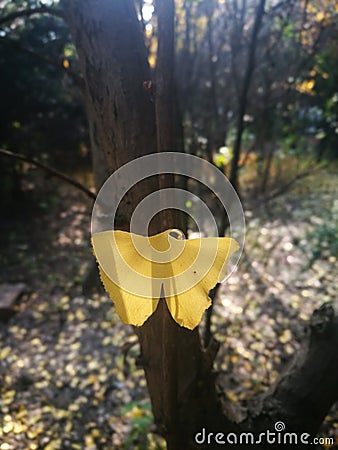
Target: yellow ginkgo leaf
column 132, row 309
column 137, row 271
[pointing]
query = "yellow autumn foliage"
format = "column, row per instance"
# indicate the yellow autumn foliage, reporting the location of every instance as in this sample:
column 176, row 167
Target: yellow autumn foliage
column 137, row 271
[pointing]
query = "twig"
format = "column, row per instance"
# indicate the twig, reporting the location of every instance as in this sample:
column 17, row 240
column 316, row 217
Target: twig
column 282, row 189
column 50, row 170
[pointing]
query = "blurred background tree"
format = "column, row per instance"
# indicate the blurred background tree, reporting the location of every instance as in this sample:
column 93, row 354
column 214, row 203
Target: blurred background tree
column 285, row 110
column 290, row 103
column 41, row 108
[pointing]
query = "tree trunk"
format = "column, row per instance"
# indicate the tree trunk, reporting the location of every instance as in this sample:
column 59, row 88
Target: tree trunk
column 243, row 98
column 179, row 373
column 113, row 61
column 100, row 169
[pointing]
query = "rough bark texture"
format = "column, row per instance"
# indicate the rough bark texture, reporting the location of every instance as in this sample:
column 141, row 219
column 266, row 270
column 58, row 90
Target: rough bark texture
column 178, row 370
column 113, row 61
column 303, row 395
column 175, row 365
column 100, row 169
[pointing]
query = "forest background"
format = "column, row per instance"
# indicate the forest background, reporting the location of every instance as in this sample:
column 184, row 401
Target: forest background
column 255, row 89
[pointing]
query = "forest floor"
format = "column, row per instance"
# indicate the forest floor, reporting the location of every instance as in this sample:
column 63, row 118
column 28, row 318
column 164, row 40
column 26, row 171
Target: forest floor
column 68, row 372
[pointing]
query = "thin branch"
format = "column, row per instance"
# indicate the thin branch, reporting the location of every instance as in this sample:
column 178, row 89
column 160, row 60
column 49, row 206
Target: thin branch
column 286, row 186
column 30, row 12
column 43, row 59
column 50, row 170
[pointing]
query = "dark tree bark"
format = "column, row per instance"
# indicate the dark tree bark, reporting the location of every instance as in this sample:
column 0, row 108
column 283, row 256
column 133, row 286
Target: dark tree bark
column 113, row 61
column 175, row 364
column 304, row 394
column 179, row 372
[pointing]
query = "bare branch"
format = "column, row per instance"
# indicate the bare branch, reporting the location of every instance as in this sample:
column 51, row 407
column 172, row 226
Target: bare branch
column 286, row 186
column 43, row 59
column 30, row 12
column 50, row 170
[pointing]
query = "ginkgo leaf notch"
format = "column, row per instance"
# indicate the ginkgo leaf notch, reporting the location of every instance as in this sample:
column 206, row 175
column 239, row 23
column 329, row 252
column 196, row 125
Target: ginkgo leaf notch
column 137, row 271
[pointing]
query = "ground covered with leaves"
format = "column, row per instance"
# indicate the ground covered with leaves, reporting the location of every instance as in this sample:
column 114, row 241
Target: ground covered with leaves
column 69, row 377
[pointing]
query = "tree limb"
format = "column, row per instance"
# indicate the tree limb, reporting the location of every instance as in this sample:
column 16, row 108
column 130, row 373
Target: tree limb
column 29, row 12
column 302, row 397
column 284, row 187
column 50, row 170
